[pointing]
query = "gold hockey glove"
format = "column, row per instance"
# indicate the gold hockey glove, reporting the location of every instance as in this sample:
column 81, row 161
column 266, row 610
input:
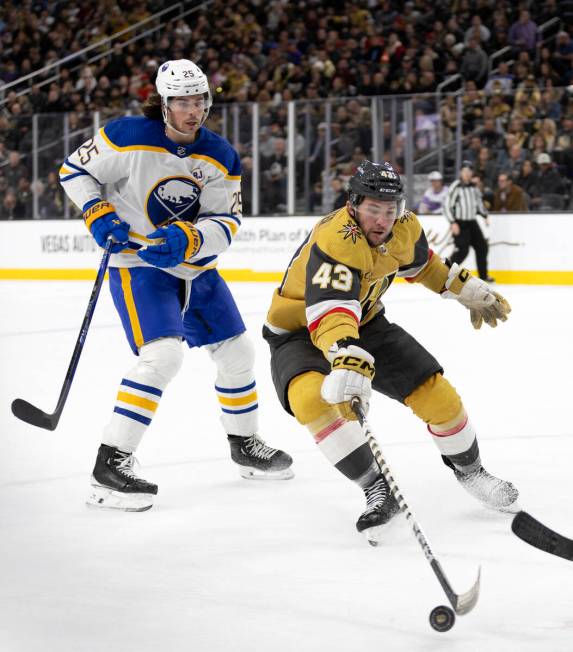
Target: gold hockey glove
column 484, row 304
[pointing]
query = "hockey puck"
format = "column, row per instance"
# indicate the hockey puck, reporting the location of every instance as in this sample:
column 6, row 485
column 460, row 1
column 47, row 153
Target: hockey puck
column 442, row 618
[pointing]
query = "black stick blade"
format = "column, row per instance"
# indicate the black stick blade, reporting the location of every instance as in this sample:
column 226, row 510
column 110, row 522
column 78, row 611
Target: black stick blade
column 31, row 414
column 540, row 536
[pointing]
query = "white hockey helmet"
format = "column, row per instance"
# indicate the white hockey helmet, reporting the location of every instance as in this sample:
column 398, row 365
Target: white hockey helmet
column 179, row 78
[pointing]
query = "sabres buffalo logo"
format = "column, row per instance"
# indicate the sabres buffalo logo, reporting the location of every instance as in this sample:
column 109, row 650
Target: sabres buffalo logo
column 174, row 198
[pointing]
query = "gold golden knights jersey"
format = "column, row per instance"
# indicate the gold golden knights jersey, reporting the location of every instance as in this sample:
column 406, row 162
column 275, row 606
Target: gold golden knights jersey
column 335, row 280
column 151, row 180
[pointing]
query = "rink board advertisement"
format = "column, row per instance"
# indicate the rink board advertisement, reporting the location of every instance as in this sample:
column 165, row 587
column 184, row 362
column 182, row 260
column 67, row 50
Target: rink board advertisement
column 524, row 248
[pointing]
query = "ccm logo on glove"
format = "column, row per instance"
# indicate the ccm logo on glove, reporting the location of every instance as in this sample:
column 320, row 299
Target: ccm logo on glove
column 352, row 370
column 355, row 364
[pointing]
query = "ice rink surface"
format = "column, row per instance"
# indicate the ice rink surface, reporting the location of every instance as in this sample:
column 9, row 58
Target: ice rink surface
column 223, row 564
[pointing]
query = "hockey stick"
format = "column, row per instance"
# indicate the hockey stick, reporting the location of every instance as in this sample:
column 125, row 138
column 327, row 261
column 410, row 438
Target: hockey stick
column 30, row 413
column 540, row 536
column 461, row 602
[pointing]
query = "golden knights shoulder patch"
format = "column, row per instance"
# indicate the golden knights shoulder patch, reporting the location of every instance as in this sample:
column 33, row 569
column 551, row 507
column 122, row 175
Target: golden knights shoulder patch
column 351, row 230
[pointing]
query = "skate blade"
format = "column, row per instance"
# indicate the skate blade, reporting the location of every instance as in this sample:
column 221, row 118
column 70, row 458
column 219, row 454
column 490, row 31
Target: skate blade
column 250, row 473
column 104, row 498
column 387, row 533
column 512, row 508
column 374, row 535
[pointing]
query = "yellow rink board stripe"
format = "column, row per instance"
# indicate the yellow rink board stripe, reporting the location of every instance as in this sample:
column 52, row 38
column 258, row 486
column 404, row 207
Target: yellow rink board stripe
column 250, row 276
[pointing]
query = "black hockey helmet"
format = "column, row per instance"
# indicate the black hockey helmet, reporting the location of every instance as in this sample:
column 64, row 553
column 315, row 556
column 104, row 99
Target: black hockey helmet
column 377, row 181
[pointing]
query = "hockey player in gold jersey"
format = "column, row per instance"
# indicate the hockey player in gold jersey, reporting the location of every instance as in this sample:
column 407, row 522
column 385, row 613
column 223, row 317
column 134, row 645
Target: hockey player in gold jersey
column 330, row 340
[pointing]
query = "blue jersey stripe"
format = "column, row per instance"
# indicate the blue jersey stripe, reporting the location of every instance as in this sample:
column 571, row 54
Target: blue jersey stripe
column 250, row 409
column 233, row 217
column 225, row 229
column 235, row 391
column 79, row 169
column 204, row 261
column 141, row 388
column 73, row 176
column 132, row 415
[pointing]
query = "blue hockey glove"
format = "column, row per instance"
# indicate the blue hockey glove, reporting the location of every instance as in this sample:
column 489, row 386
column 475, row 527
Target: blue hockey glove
column 181, row 241
column 102, row 220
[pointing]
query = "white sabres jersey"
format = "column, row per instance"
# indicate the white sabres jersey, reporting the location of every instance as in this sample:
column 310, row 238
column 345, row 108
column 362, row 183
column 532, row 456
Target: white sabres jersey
column 151, row 180
column 432, row 202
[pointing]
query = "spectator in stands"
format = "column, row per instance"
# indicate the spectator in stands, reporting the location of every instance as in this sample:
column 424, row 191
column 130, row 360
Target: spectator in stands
column 474, row 63
column 339, row 194
column 523, row 34
column 448, row 117
column 548, row 130
column 512, row 166
column 87, row 83
column 52, row 200
column 499, row 107
column 551, row 184
column 3, row 187
column 549, row 10
column 528, row 181
column 11, row 208
column 490, row 136
column 563, row 54
column 566, row 166
column 315, row 199
column 15, row 169
column 473, row 101
column 528, row 90
column 25, row 197
column 525, row 110
column 550, row 106
column 273, row 197
column 565, row 137
column 509, row 197
column 434, row 196
column 471, row 152
column 477, row 30
column 536, row 145
column 517, row 128
column 500, row 78
column 547, row 75
column 486, row 169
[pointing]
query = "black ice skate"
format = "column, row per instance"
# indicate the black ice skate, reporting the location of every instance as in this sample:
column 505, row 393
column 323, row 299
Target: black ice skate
column 493, row 492
column 381, row 506
column 115, row 485
column 257, row 461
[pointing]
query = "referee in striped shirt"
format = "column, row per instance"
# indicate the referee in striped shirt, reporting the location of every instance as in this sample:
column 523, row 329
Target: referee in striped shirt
column 462, row 206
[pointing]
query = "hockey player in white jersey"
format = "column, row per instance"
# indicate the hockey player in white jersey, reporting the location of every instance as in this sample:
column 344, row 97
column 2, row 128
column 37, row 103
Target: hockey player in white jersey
column 434, row 197
column 167, row 190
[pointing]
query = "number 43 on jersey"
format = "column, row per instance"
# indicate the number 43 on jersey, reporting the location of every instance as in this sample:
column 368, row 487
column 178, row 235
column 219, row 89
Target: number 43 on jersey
column 336, row 276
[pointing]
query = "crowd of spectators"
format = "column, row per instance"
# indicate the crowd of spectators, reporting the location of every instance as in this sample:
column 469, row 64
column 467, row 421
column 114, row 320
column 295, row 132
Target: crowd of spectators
column 273, row 51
